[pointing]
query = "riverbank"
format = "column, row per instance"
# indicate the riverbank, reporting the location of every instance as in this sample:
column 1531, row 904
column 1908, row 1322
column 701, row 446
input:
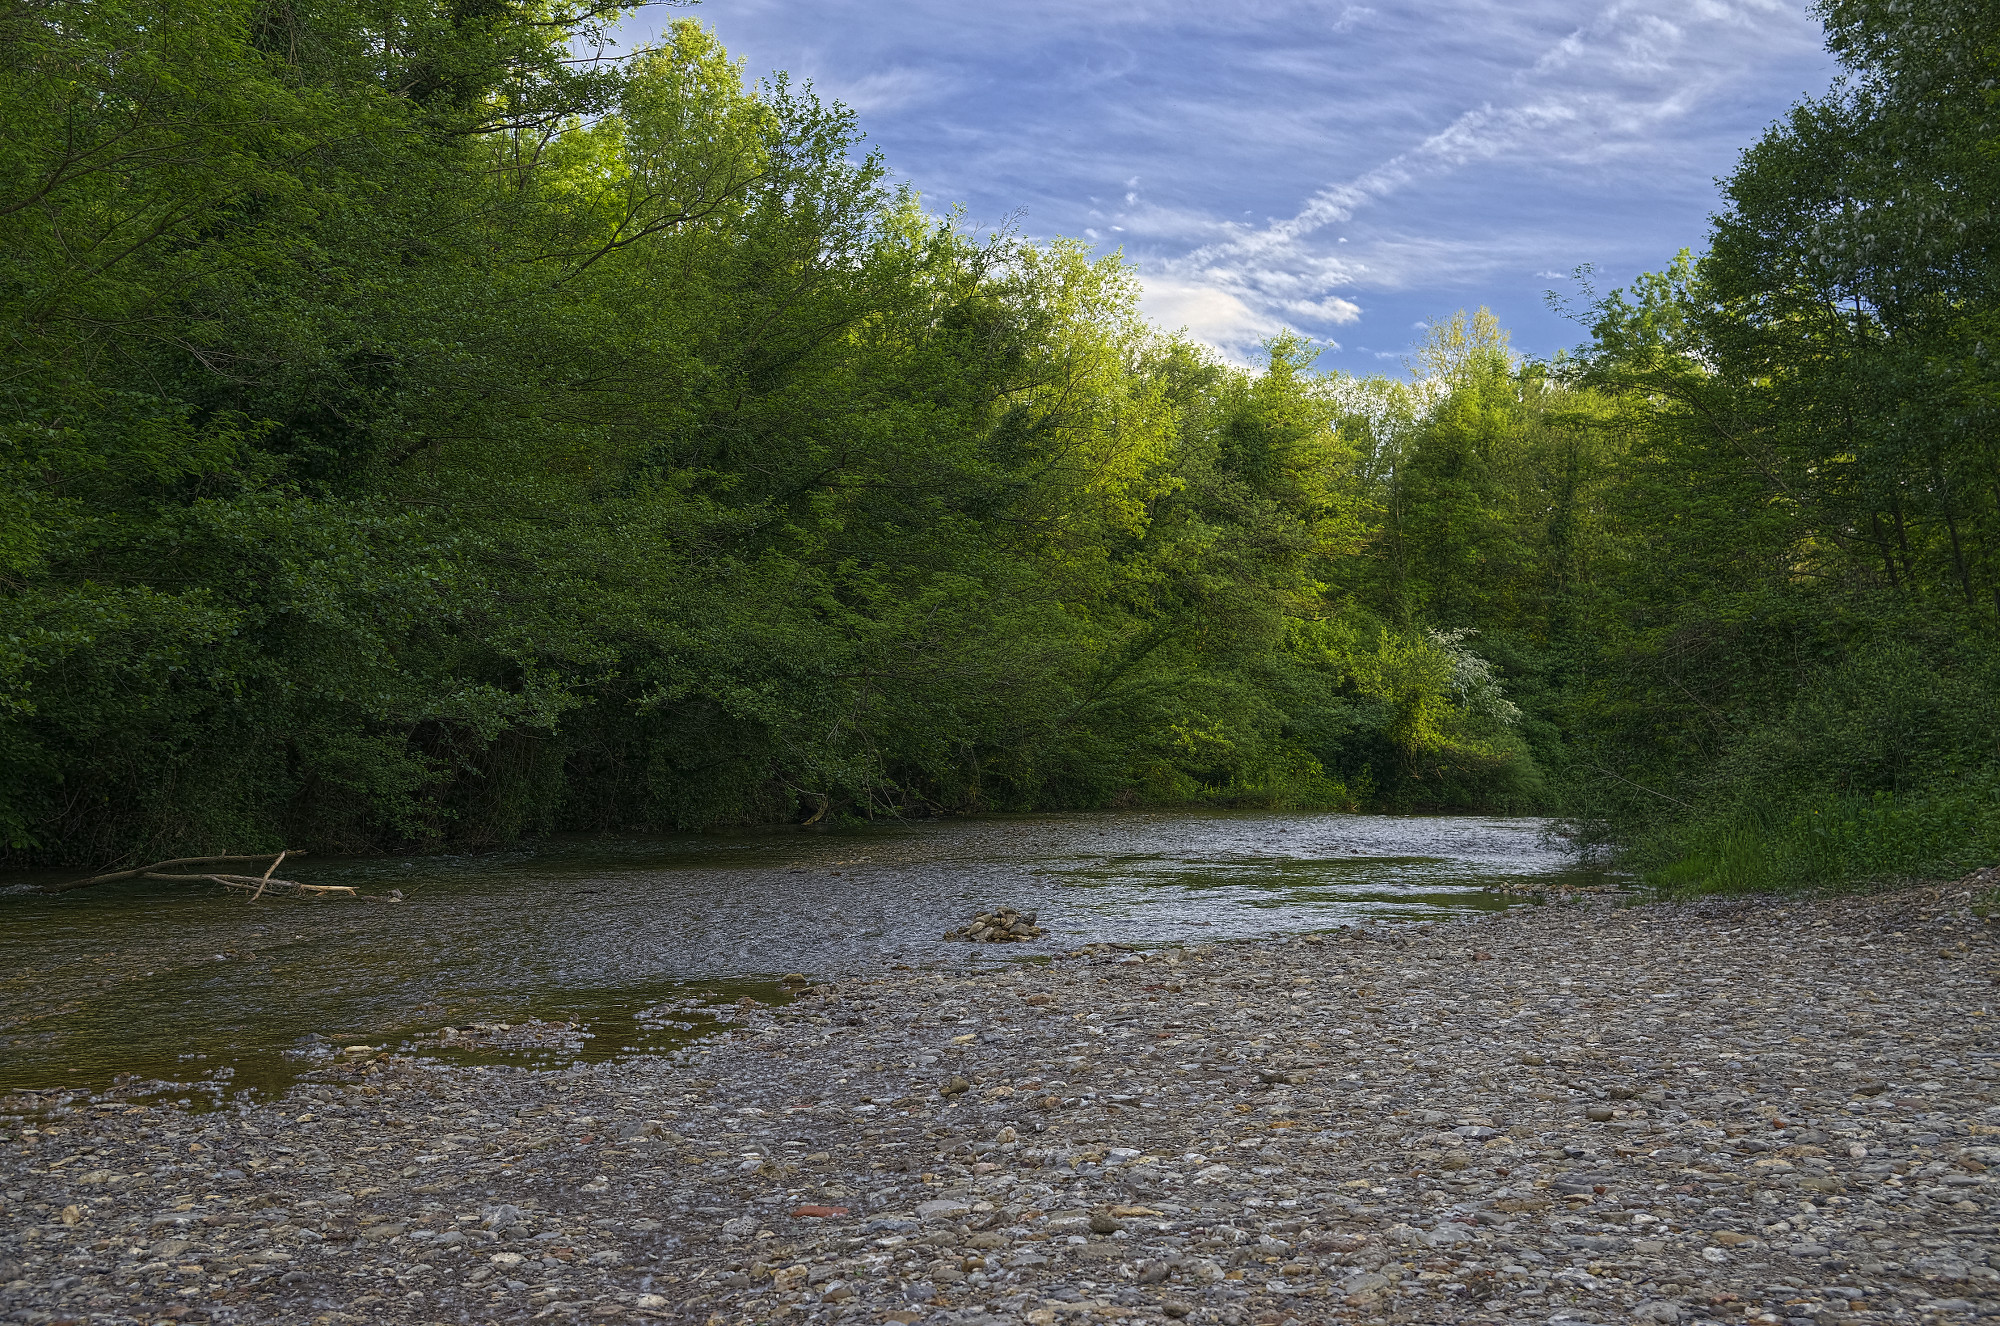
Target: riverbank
column 1730, row 1110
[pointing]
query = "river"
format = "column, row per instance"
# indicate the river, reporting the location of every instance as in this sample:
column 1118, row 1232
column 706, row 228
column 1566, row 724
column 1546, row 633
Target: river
column 607, row 946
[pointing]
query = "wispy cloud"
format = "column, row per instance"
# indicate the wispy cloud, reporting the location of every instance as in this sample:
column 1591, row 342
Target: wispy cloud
column 894, row 89
column 1606, row 93
column 1352, row 16
column 1348, row 167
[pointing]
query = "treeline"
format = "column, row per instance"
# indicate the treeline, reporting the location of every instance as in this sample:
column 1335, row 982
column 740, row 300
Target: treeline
column 1800, row 675
column 419, row 432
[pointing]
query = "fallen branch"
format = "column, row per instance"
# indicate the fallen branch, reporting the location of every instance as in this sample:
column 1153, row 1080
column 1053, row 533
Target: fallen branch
column 267, row 875
column 150, row 872
column 259, row 883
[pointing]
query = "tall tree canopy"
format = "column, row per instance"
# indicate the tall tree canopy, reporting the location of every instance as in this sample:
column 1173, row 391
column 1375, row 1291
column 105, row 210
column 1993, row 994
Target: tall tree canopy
column 416, row 430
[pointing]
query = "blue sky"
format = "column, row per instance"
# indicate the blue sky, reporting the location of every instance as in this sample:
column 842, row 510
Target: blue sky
column 1349, row 170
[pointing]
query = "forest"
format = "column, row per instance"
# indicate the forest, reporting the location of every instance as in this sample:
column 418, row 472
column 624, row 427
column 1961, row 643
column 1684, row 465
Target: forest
column 419, row 434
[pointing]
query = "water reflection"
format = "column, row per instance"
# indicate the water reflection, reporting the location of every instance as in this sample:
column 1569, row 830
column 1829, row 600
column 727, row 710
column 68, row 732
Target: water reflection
column 628, row 939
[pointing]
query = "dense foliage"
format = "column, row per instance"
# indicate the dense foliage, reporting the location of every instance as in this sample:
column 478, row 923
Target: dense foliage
column 417, row 431
column 1801, row 676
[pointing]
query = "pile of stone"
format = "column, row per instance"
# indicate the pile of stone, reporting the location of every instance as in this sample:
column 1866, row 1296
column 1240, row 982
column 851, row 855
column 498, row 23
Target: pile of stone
column 1002, row 925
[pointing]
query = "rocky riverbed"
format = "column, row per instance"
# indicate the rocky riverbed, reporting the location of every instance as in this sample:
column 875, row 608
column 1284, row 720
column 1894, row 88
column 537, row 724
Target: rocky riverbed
column 1736, row 1111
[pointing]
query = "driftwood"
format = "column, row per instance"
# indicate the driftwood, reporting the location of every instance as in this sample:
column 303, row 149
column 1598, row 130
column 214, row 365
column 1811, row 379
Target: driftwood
column 259, row 883
column 255, row 884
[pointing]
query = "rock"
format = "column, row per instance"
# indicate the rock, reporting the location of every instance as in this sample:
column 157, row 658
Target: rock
column 1003, row 925
column 1448, row 1234
column 1953, row 1306
column 1364, row 1289
column 503, row 1216
column 1414, row 1133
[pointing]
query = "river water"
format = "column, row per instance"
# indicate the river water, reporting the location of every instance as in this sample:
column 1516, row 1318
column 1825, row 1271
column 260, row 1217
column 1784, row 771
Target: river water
column 601, row 947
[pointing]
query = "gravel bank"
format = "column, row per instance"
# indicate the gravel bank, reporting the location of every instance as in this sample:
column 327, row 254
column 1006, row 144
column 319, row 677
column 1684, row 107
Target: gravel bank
column 1734, row 1111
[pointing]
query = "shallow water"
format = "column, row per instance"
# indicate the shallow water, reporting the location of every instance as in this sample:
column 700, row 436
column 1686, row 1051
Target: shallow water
column 631, row 938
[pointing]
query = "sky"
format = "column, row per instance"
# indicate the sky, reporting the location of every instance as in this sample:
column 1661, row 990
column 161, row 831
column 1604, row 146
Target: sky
column 1351, row 171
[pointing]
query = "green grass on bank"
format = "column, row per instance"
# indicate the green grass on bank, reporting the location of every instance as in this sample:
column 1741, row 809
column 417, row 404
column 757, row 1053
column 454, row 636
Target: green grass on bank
column 1839, row 842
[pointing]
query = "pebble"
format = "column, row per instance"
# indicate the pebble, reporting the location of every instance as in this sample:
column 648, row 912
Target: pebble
column 1742, row 1111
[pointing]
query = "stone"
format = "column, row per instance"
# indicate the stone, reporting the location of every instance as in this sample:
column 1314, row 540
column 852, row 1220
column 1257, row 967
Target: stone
column 1414, row 1132
column 1364, row 1289
column 1000, row 926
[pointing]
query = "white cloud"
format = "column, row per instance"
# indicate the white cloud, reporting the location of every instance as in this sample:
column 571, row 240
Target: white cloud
column 1351, row 17
column 887, row 89
column 1330, row 311
column 1207, row 313
column 1600, row 99
column 1444, row 151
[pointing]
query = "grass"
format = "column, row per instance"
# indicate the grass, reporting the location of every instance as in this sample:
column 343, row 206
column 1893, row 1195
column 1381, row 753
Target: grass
column 1841, row 841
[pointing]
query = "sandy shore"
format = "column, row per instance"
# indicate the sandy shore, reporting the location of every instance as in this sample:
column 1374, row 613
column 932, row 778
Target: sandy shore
column 1734, row 1111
